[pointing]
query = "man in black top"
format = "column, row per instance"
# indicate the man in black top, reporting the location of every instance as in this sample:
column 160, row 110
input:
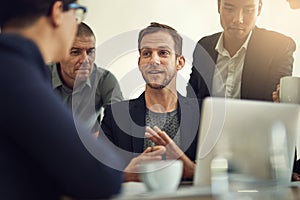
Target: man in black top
column 160, row 120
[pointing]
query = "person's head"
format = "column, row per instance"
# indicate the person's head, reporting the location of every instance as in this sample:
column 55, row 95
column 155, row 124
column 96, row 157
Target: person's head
column 160, row 48
column 294, row 4
column 238, row 18
column 79, row 63
column 49, row 23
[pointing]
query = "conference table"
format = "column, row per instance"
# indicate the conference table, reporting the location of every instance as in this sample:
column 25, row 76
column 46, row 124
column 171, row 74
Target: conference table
column 136, row 190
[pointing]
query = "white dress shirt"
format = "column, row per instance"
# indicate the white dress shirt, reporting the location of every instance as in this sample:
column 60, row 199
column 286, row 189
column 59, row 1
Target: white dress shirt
column 228, row 73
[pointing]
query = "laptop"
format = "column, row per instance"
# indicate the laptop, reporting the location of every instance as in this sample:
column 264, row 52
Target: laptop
column 250, row 141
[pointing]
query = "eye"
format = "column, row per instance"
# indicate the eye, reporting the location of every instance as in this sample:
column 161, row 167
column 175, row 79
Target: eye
column 228, row 8
column 91, row 52
column 249, row 10
column 146, row 53
column 75, row 52
column 164, row 53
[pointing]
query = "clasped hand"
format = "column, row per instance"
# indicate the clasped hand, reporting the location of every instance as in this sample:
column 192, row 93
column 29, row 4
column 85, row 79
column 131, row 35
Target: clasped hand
column 165, row 145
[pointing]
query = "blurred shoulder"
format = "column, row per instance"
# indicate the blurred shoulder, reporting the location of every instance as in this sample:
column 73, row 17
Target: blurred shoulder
column 210, row 38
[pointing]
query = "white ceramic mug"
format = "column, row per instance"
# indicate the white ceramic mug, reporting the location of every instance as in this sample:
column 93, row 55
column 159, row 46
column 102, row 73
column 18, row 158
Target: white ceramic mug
column 290, row 89
column 161, row 176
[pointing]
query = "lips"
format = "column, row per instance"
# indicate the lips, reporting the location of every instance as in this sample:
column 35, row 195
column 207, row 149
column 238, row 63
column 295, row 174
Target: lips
column 237, row 28
column 81, row 67
column 155, row 72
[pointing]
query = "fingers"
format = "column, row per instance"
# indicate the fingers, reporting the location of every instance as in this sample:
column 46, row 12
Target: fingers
column 275, row 94
column 278, row 90
column 156, row 150
column 278, row 87
column 295, row 177
column 153, row 136
column 160, row 137
column 275, row 97
column 162, row 134
column 148, row 155
column 157, row 136
column 160, row 149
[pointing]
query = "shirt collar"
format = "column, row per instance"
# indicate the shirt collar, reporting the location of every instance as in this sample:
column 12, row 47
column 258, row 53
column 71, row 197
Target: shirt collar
column 220, row 47
column 56, row 80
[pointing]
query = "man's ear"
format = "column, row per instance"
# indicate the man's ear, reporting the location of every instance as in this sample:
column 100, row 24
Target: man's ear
column 56, row 14
column 180, row 62
column 219, row 4
column 259, row 8
column 139, row 62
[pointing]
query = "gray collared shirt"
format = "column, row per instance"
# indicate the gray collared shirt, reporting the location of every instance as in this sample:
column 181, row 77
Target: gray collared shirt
column 88, row 98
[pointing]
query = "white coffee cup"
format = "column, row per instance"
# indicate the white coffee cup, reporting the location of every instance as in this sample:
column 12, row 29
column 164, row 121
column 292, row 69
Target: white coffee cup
column 161, row 176
column 290, row 89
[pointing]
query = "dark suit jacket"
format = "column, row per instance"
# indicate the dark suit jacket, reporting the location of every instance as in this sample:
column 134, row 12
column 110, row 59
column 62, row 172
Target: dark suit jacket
column 269, row 57
column 124, row 124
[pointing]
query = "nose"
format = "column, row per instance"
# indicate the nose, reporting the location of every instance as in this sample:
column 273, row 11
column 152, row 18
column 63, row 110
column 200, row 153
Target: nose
column 155, row 59
column 84, row 57
column 238, row 17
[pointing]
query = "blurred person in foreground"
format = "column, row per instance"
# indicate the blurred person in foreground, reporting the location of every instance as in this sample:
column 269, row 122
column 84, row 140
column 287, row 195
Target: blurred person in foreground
column 82, row 85
column 41, row 151
column 160, row 123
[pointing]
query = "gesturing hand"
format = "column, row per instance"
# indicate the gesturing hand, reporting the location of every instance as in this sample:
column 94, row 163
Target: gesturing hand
column 150, row 154
column 172, row 150
column 275, row 94
column 160, row 137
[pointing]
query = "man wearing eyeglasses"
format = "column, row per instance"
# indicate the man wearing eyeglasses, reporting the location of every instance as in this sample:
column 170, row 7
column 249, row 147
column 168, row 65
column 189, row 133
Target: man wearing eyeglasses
column 83, row 86
column 42, row 154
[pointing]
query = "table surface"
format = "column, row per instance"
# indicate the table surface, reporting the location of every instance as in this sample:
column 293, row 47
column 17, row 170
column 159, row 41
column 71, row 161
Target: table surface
column 136, row 190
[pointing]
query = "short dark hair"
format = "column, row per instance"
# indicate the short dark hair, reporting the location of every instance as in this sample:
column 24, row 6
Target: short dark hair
column 260, row 1
column 84, row 30
column 22, row 13
column 156, row 27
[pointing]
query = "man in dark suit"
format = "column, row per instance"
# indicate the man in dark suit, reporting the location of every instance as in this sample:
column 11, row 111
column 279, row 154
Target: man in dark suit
column 43, row 154
column 243, row 61
column 160, row 121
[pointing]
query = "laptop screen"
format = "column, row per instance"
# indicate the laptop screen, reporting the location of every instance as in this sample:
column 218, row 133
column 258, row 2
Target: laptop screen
column 256, row 138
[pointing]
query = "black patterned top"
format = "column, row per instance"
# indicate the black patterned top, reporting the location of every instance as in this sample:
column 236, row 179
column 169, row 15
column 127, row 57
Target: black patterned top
column 168, row 122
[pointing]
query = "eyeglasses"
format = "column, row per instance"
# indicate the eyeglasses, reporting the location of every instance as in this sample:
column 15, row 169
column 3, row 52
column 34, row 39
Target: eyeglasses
column 79, row 11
